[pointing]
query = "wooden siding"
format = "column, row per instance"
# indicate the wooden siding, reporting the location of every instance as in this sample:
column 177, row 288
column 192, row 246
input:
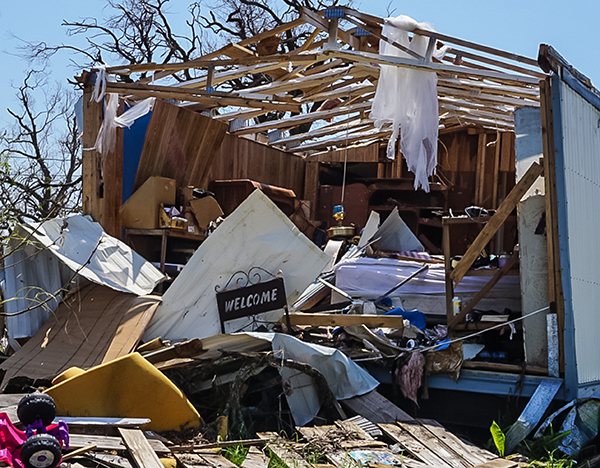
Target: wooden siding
column 241, row 158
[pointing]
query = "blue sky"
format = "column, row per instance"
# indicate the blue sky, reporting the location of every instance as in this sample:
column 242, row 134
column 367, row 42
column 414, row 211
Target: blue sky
column 516, row 26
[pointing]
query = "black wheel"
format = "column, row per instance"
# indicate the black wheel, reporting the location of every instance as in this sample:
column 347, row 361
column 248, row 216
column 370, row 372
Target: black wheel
column 36, row 406
column 41, row 451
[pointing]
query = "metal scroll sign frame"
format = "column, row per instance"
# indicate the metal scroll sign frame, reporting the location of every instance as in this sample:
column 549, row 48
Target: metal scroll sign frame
column 250, row 293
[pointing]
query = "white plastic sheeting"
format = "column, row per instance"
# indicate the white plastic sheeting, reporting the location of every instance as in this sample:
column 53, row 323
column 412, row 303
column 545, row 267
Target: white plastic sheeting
column 372, row 277
column 395, row 235
column 407, row 98
column 345, row 378
column 256, row 234
column 40, row 265
column 107, row 135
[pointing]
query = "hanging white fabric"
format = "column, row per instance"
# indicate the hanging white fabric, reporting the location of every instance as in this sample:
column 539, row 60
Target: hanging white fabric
column 407, row 99
column 107, row 135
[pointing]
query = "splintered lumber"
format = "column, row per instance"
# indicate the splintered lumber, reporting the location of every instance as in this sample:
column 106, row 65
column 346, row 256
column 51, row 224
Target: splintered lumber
column 139, row 448
column 344, row 320
column 494, row 223
column 110, row 443
column 110, row 459
column 224, row 443
column 186, row 349
column 280, row 447
column 78, row 452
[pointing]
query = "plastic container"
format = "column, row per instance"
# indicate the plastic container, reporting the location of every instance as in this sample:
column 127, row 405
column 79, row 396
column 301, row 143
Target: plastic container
column 456, row 305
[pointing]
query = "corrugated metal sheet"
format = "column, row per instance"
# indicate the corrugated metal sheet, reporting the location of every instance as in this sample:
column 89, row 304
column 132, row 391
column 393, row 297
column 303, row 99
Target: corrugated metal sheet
column 581, row 192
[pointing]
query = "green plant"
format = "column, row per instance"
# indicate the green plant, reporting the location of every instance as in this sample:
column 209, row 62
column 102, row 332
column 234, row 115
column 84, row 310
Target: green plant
column 498, row 437
column 543, row 448
column 551, row 461
column 236, row 454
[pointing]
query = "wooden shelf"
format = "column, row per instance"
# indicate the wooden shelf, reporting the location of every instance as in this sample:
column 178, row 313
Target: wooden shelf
column 178, row 233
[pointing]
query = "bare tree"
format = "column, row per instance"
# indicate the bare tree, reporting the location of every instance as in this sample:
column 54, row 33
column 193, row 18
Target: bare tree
column 40, row 166
column 137, row 31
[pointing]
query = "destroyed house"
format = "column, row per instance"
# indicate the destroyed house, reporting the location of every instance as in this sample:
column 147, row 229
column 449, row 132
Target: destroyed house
column 343, row 125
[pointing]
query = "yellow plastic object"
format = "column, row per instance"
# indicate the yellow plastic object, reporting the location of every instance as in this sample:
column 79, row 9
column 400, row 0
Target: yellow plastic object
column 127, row 387
column 70, row 372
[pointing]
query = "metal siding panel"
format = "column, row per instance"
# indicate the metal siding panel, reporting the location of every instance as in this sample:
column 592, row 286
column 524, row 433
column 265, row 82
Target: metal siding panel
column 581, row 156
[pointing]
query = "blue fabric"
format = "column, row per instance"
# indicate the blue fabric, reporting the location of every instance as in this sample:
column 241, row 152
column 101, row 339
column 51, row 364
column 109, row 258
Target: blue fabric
column 415, row 317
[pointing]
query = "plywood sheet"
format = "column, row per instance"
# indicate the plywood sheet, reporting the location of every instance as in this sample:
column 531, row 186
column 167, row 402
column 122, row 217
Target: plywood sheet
column 93, row 325
column 180, row 144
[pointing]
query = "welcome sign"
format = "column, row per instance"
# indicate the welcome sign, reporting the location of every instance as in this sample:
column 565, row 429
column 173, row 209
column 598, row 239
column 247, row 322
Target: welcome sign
column 251, row 300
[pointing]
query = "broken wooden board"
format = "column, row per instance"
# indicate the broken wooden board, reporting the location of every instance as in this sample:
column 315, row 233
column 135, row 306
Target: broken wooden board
column 139, row 448
column 92, row 325
column 110, row 443
column 204, row 458
column 281, row 448
column 349, row 436
column 255, row 458
column 472, row 454
column 413, row 446
column 110, row 459
column 376, row 408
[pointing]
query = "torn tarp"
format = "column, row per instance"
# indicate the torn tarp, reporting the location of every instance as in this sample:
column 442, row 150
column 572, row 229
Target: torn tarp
column 345, row 378
column 256, row 234
column 44, row 257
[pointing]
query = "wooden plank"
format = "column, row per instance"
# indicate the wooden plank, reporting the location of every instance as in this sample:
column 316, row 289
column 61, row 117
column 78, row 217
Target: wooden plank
column 483, row 292
column 139, row 448
column 413, row 446
column 110, row 459
column 433, row 443
column 472, row 454
column 215, row 460
column 488, row 231
column 281, row 448
column 180, row 144
column 90, row 171
column 102, row 422
column 556, row 295
column 473, row 45
column 255, row 458
column 499, row 463
column 376, row 408
column 345, row 320
column 185, row 349
column 501, row 77
column 110, row 443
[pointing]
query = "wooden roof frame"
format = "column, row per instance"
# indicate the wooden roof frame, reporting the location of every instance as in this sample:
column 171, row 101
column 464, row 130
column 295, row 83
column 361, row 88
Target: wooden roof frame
column 340, row 63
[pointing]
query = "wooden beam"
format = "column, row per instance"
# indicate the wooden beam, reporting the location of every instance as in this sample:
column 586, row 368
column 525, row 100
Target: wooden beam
column 139, row 448
column 346, row 320
column 299, row 119
column 494, row 223
column 556, row 295
column 498, row 63
column 434, row 67
column 479, row 47
column 486, row 289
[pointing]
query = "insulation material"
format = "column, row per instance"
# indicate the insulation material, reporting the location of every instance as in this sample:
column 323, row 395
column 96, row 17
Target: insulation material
column 407, row 99
column 256, row 234
column 45, row 257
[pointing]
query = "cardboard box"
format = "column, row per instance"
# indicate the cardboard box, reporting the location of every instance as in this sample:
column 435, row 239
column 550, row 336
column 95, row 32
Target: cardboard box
column 205, row 210
column 141, row 210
